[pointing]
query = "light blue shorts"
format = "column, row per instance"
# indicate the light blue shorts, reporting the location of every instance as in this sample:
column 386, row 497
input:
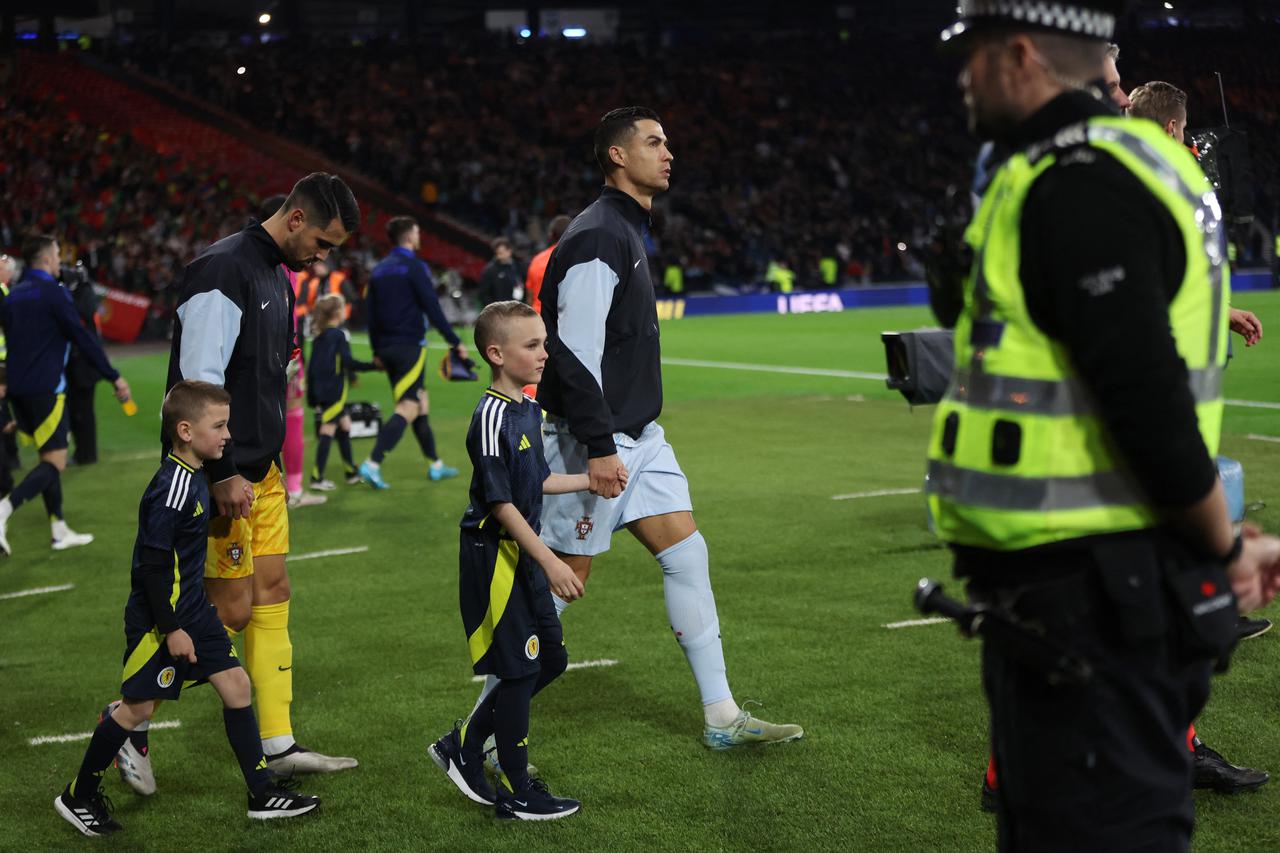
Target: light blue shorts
column 582, row 523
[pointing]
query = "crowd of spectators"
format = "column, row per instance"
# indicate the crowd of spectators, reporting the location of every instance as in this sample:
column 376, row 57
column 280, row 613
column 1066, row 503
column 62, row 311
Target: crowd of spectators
column 134, row 217
column 788, row 147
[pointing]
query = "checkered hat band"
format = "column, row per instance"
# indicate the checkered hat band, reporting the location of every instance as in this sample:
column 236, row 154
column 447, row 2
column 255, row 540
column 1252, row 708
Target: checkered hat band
column 1066, row 17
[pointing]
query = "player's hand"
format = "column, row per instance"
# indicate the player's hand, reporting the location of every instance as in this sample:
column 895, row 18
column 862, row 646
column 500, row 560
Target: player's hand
column 461, row 350
column 122, row 390
column 1247, row 325
column 623, row 476
column 233, row 496
column 180, row 646
column 562, row 580
column 1255, row 575
column 377, row 362
column 603, row 473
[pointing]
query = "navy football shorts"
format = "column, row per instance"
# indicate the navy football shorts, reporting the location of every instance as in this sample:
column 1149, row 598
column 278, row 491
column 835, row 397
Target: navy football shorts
column 151, row 673
column 404, row 366
column 507, row 610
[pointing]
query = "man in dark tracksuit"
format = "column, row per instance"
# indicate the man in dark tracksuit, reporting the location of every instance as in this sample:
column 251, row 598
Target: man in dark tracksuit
column 234, row 329
column 499, row 279
column 401, row 294
column 602, row 391
column 40, row 325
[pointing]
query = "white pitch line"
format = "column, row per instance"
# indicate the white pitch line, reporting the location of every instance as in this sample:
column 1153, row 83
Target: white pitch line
column 1274, row 439
column 878, row 493
column 1252, row 404
column 859, row 374
column 40, row 741
column 581, row 664
column 911, row 623
column 336, row 552
column 775, row 368
column 40, row 590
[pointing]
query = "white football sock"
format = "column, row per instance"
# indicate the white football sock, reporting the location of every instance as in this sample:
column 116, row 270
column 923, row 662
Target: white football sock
column 691, row 609
column 276, row 745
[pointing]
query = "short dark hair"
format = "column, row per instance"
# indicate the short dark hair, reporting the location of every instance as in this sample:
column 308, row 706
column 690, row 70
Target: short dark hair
column 558, row 226
column 186, row 401
column 398, row 227
column 492, row 323
column 1158, row 101
column 324, row 198
column 498, row 242
column 34, row 245
column 616, row 127
column 271, row 206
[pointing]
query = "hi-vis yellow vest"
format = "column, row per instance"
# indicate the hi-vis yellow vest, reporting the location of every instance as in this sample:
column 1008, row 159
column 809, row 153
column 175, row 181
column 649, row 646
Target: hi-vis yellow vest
column 1018, row 456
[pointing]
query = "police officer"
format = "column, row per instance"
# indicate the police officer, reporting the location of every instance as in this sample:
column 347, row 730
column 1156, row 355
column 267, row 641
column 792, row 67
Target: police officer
column 1070, row 466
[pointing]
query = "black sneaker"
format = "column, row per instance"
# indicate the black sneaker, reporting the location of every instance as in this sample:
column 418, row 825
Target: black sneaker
column 533, row 802
column 280, row 800
column 1248, row 628
column 1213, row 772
column 464, row 769
column 91, row 815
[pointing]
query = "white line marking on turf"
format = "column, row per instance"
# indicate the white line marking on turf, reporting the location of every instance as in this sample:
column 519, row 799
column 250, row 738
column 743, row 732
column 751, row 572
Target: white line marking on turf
column 1274, row 439
column 911, row 623
column 878, row 493
column 336, row 552
column 40, row 741
column 775, row 368
column 859, row 374
column 40, row 590
column 580, row 664
column 1252, row 404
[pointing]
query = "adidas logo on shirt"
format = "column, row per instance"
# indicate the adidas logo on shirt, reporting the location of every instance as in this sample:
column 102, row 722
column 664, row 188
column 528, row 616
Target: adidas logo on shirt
column 524, row 442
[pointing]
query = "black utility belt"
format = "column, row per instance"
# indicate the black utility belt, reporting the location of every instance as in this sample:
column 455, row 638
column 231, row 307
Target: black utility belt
column 1145, row 588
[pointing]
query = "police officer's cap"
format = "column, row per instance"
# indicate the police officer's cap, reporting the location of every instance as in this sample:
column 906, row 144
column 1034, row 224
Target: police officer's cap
column 1090, row 19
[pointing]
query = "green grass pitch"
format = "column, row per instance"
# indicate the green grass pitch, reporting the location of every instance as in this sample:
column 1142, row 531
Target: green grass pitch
column 895, row 725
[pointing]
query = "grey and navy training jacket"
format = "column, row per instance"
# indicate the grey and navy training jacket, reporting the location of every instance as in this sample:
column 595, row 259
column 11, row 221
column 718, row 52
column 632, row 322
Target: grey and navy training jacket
column 401, row 298
column 234, row 329
column 40, row 325
column 603, row 372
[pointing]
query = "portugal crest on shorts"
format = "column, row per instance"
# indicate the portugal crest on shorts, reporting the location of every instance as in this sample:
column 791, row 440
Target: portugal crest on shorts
column 235, row 553
column 531, row 647
column 165, row 678
column 584, row 527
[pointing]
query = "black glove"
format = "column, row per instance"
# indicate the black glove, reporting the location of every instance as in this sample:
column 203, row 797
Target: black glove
column 948, row 258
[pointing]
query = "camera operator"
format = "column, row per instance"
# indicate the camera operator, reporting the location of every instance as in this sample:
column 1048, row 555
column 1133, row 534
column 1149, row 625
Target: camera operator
column 82, row 376
column 40, row 323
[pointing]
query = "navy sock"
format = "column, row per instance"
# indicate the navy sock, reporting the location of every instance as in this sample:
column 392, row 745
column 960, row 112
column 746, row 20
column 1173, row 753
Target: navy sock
column 426, row 438
column 33, row 484
column 53, row 496
column 107, row 739
column 242, row 734
column 511, row 727
column 344, row 450
column 388, row 437
column 322, row 456
column 479, row 725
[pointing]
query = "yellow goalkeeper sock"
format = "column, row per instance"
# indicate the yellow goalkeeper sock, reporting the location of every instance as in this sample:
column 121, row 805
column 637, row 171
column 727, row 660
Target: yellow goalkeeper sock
column 268, row 657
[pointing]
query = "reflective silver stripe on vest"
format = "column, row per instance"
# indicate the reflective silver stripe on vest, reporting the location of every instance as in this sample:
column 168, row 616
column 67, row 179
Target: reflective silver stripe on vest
column 1049, row 397
column 1207, row 212
column 1044, row 494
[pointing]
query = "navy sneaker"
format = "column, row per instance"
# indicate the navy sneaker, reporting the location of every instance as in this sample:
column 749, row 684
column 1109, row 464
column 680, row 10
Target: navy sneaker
column 91, row 815
column 533, row 802
column 464, row 769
